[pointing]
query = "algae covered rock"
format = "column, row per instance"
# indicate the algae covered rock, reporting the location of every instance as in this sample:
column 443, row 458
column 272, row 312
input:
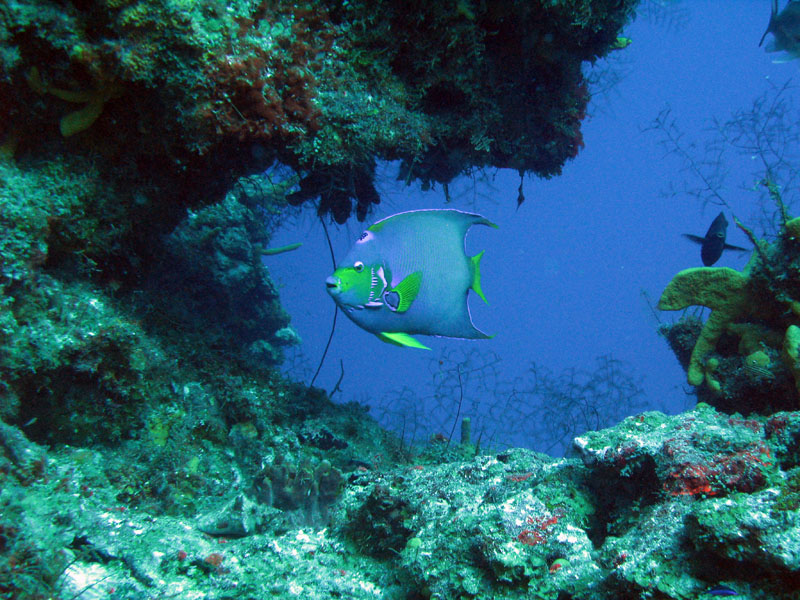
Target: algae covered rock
column 213, row 276
column 702, row 452
column 196, row 94
column 756, row 529
column 660, row 506
column 696, row 500
column 495, row 526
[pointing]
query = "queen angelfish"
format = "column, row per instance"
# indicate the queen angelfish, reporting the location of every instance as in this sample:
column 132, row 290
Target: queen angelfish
column 410, row 274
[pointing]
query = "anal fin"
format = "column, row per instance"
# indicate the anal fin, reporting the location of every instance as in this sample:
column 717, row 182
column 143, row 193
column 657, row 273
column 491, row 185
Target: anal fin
column 401, row 339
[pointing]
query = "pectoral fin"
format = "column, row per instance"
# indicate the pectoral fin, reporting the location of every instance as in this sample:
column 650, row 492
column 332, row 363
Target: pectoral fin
column 695, row 238
column 737, row 248
column 401, row 339
column 407, row 291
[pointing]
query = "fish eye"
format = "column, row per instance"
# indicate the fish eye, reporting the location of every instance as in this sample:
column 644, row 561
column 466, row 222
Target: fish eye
column 358, row 266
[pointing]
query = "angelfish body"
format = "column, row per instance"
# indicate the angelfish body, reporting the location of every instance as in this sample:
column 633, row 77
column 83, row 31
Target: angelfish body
column 409, row 274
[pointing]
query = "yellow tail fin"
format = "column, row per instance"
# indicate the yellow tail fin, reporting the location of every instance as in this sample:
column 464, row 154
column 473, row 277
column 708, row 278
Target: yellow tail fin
column 476, row 275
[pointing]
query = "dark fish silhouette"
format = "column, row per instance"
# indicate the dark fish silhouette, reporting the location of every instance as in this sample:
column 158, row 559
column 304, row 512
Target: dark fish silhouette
column 721, row 590
column 785, row 29
column 713, row 244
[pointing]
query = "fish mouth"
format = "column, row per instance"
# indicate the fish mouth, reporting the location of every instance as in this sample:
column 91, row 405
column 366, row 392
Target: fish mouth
column 332, row 285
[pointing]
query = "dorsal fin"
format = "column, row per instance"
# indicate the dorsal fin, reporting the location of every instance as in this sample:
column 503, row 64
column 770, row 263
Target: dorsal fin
column 771, row 21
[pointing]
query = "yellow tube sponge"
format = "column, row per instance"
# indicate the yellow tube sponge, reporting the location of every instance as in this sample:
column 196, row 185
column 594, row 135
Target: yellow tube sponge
column 791, row 352
column 93, row 101
column 792, row 228
column 724, row 291
column 81, row 119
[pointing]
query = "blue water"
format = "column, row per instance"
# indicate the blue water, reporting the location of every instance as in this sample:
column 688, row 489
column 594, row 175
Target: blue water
column 567, row 274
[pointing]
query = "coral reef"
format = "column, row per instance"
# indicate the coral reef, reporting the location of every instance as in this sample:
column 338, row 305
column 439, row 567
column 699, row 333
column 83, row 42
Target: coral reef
column 658, row 506
column 148, row 445
column 746, row 356
column 89, row 341
column 213, row 260
column 196, row 94
column 304, row 492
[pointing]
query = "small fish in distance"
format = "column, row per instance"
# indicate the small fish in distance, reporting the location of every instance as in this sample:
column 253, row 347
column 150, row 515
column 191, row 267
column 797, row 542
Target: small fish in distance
column 785, row 29
column 721, row 590
column 409, row 274
column 712, row 245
